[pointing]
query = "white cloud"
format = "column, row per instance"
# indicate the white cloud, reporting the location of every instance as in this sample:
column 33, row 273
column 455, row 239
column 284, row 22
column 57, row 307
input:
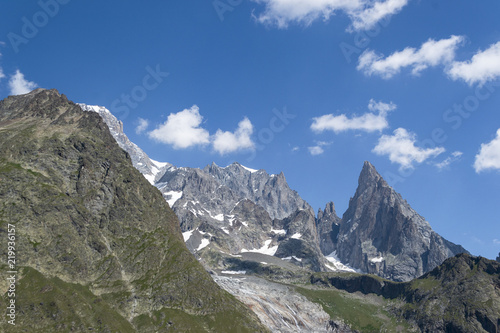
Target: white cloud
column 369, row 17
column 227, row 142
column 142, row 126
column 496, row 241
column 19, row 85
column 368, row 122
column 455, row 156
column 401, row 149
column 489, row 155
column 432, row 53
column 182, row 129
column 365, row 14
column 484, row 66
column 316, row 150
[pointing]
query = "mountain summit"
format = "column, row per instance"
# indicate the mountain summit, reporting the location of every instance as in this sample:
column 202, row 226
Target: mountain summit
column 381, row 234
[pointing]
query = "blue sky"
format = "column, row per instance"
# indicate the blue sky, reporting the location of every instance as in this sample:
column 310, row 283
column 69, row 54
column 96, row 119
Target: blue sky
column 310, row 88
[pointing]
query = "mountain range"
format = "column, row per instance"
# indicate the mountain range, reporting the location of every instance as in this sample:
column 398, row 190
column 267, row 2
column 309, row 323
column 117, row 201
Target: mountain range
column 218, row 249
column 235, row 210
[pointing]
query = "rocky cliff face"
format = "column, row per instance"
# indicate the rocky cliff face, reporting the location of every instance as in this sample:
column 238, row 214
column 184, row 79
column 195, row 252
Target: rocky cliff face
column 498, row 258
column 97, row 246
column 381, row 234
column 236, row 209
column 271, row 192
column 328, row 226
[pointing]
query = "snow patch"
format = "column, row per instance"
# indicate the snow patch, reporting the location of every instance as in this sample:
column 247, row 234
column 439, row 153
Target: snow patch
column 150, row 179
column 270, row 251
column 186, row 235
column 174, row 196
column 378, row 259
column 290, row 258
column 204, row 243
column 297, row 235
column 278, row 232
column 225, row 230
column 248, row 169
column 234, row 272
column 337, row 264
column 159, row 165
column 219, row 217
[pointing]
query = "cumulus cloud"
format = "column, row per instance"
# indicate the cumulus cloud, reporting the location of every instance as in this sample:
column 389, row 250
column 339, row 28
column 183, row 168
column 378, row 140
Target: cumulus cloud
column 454, row 157
column 318, row 149
column 368, row 122
column 19, row 85
column 368, row 17
column 431, row 53
column 401, row 149
column 365, row 14
column 488, row 157
column 182, row 129
column 228, row 142
column 142, row 125
column 484, row 66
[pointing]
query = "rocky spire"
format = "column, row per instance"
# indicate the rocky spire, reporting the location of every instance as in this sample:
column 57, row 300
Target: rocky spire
column 381, row 234
column 327, row 225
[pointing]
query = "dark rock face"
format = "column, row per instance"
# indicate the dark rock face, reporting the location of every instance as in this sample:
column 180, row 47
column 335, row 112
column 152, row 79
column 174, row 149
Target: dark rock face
column 91, row 230
column 498, row 258
column 381, row 234
column 328, row 226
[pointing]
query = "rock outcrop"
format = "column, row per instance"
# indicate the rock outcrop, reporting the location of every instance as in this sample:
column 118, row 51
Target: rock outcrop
column 381, row 234
column 328, row 226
